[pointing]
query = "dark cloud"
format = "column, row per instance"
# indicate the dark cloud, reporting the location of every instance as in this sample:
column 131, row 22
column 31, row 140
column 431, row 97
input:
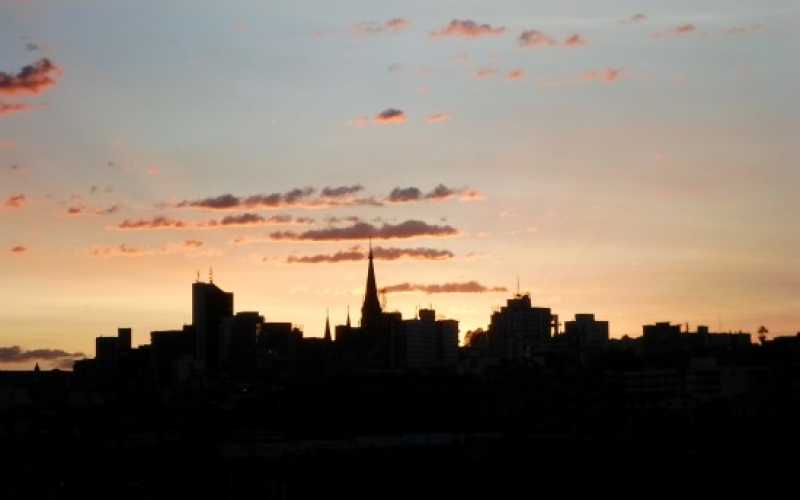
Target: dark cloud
column 31, row 47
column 296, row 198
column 340, row 191
column 15, row 201
column 62, row 359
column 465, row 287
column 19, row 249
column 362, row 231
column 381, row 253
column 468, row 29
column 402, row 195
column 33, row 79
column 159, row 222
column 252, row 219
column 439, row 193
column 193, row 243
column 390, row 116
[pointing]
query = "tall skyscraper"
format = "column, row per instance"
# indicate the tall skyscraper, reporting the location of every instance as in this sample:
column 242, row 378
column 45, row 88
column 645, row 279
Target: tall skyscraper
column 210, row 305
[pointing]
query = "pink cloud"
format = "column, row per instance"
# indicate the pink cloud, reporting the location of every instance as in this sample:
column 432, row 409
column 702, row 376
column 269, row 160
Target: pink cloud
column 16, row 201
column 468, row 29
column 19, row 249
column 33, row 79
column 356, row 253
column 438, row 118
column 516, row 74
column 575, row 41
column 189, row 247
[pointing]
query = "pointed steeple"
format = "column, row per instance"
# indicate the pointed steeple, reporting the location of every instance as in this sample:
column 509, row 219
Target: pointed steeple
column 371, row 310
column 348, row 316
column 36, row 368
column 327, row 326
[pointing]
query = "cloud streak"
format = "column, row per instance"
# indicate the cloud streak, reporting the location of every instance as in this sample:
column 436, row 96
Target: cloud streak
column 19, row 249
column 462, row 287
column 677, row 31
column 15, row 354
column 124, row 250
column 392, row 25
column 363, row 231
column 302, row 198
column 381, row 253
column 33, row 79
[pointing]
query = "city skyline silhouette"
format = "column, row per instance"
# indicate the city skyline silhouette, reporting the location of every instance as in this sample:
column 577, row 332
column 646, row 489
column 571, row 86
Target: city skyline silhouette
column 367, row 249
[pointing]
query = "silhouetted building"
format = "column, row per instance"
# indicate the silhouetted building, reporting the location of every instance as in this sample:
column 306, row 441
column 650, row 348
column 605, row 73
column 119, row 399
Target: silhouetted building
column 210, row 305
column 518, row 329
column 171, row 354
column 371, row 309
column 427, row 342
column 238, row 342
column 586, row 333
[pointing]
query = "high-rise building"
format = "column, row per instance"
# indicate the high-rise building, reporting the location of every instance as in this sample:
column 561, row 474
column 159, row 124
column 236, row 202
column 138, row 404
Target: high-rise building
column 518, row 329
column 210, row 305
column 238, row 341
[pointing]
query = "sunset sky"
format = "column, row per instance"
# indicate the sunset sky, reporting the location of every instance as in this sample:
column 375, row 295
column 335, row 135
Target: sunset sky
column 634, row 159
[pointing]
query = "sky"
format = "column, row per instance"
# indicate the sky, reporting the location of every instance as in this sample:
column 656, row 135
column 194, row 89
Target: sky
column 633, row 159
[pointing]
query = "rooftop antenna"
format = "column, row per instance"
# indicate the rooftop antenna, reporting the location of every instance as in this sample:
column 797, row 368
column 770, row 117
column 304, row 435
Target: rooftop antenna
column 211, row 275
column 518, row 285
column 197, row 279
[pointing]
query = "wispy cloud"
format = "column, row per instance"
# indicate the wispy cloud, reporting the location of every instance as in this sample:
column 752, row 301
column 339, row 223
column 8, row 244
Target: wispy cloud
column 159, row 222
column 634, row 19
column 392, row 25
column 363, row 231
column 33, row 79
column 468, row 29
column 677, row 31
column 79, row 210
column 356, row 253
column 484, row 73
column 464, row 287
column 189, row 247
column 7, row 109
column 438, row 118
column 19, row 249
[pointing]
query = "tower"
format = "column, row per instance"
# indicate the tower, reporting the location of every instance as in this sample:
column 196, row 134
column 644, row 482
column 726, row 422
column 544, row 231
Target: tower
column 327, row 327
column 371, row 310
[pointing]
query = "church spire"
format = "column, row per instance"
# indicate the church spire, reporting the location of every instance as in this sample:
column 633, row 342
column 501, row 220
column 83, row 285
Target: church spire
column 327, row 326
column 371, row 310
column 348, row 315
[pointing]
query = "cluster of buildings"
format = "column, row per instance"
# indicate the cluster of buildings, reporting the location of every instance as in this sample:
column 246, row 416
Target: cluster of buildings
column 220, row 341
column 667, row 362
